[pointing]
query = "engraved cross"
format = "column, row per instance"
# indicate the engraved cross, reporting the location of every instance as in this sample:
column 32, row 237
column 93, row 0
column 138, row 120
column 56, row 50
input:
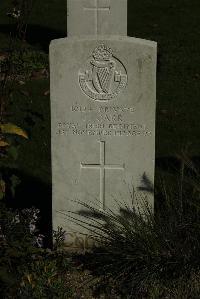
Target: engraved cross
column 97, row 9
column 102, row 166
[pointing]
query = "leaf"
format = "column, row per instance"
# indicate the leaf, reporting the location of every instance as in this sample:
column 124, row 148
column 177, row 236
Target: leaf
column 12, row 129
column 3, row 143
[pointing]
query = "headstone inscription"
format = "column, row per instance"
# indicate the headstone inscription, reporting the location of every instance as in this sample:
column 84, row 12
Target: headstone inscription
column 103, row 103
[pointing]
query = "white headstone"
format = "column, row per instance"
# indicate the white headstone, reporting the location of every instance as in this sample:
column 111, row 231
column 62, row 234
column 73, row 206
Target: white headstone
column 103, row 103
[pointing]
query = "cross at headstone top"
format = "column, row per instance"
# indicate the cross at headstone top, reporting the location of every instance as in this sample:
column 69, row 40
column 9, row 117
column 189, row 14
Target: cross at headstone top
column 97, row 9
column 97, row 17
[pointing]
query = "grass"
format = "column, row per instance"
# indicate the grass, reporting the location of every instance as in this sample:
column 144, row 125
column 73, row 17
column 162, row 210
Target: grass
column 174, row 25
column 149, row 255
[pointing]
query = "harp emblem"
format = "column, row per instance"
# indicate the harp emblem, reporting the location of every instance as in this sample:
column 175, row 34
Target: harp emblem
column 105, row 76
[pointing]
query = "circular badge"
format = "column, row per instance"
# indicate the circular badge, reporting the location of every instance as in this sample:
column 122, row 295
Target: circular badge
column 104, row 76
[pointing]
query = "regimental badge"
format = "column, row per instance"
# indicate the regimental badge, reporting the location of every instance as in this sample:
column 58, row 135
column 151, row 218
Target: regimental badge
column 104, row 77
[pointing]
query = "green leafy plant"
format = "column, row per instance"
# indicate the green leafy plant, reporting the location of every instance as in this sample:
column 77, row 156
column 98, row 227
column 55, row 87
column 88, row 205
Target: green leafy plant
column 43, row 279
column 17, row 240
column 26, row 269
column 27, row 61
column 6, row 150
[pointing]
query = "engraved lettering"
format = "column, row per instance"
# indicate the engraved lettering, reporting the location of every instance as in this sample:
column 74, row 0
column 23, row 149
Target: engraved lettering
column 105, row 125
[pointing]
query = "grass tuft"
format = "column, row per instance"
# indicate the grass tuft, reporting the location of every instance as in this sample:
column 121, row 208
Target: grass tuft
column 148, row 254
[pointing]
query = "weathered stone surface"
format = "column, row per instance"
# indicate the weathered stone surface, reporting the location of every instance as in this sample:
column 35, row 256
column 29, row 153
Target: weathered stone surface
column 103, row 103
column 97, row 17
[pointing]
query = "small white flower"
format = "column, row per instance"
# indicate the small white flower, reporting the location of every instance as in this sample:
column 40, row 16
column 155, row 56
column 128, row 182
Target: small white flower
column 32, row 228
column 39, row 240
column 16, row 219
column 15, row 14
